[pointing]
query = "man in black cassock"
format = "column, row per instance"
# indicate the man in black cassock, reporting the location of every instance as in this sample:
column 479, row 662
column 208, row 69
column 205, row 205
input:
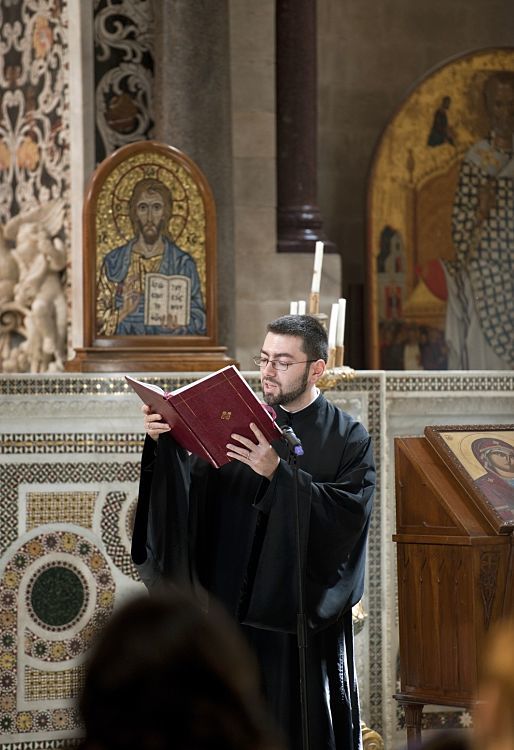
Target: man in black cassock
column 232, row 531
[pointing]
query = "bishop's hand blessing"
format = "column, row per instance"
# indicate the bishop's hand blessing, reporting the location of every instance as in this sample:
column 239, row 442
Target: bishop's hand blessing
column 260, row 456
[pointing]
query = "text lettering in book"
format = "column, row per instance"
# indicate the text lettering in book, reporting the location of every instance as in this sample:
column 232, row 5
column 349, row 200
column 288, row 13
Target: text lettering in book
column 226, row 415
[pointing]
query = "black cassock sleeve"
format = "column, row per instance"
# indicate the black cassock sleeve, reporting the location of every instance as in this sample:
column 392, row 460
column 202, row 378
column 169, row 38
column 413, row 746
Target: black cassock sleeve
column 169, row 529
column 163, row 524
column 334, row 522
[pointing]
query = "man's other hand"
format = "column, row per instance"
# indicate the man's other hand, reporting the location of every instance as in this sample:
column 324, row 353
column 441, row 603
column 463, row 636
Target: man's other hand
column 260, row 456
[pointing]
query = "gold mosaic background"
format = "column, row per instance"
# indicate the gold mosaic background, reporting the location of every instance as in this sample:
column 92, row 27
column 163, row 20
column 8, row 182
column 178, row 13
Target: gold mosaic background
column 412, row 184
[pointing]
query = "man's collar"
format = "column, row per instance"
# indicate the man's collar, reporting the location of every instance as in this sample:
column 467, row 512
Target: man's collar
column 297, row 411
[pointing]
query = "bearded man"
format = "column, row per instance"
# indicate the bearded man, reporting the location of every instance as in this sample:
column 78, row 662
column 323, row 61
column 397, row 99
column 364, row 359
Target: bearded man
column 122, row 306
column 231, row 532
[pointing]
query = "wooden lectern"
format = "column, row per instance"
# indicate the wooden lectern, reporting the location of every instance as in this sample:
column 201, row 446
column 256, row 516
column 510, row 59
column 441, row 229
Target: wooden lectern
column 454, row 521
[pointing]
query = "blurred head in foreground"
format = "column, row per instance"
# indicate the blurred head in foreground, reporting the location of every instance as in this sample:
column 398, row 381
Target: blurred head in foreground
column 493, row 719
column 163, row 674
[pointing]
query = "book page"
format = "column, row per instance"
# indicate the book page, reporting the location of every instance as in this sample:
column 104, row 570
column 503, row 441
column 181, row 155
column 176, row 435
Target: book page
column 167, row 300
column 150, row 386
column 201, row 380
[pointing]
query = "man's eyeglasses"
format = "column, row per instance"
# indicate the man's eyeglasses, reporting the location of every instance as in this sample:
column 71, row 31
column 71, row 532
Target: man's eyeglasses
column 277, row 364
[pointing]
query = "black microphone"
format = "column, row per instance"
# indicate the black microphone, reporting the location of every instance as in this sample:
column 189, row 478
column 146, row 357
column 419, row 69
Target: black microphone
column 293, row 442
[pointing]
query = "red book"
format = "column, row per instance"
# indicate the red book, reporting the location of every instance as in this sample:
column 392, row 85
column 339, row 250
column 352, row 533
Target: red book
column 204, row 414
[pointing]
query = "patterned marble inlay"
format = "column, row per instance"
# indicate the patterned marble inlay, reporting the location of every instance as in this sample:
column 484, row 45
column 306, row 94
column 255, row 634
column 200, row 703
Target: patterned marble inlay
column 362, row 397
column 64, row 442
column 52, row 473
column 70, row 385
column 56, row 590
column 60, row 507
column 51, row 686
column 451, row 382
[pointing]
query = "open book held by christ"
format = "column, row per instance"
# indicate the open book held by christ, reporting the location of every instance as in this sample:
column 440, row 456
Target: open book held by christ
column 204, row 414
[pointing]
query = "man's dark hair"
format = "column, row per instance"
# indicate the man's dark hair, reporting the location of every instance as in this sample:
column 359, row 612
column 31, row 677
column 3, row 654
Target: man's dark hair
column 308, row 329
column 164, row 674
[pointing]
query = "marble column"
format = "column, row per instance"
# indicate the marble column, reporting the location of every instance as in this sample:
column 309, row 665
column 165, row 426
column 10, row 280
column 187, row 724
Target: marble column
column 192, row 113
column 299, row 221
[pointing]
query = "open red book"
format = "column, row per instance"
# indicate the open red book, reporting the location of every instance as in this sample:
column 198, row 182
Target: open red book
column 204, row 414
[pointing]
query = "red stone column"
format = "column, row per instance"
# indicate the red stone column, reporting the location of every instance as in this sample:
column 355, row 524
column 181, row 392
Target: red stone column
column 299, row 222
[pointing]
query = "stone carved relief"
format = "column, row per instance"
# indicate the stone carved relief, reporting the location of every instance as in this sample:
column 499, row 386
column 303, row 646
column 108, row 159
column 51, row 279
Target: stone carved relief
column 34, row 171
column 123, row 73
column 10, row 318
column 33, row 303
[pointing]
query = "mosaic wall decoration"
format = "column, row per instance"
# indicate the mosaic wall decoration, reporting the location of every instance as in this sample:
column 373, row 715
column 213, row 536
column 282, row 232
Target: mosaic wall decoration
column 441, row 224
column 123, row 73
column 64, row 562
column 68, row 502
column 66, row 512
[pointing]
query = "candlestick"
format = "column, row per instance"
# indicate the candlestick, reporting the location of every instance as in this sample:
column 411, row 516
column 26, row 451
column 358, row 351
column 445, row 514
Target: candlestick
column 332, row 328
column 314, row 303
column 340, row 322
column 293, row 308
column 339, row 359
column 318, row 263
column 301, row 307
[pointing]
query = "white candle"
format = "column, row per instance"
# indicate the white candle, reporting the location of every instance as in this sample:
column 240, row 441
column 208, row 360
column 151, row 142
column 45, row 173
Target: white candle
column 293, row 308
column 301, row 306
column 332, row 328
column 340, row 322
column 318, row 262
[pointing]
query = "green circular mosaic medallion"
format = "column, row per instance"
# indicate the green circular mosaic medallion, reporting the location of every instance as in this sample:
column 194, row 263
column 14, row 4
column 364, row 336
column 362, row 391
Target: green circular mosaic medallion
column 57, row 596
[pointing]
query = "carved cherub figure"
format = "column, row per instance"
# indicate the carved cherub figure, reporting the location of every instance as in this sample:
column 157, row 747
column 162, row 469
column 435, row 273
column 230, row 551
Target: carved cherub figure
column 8, row 315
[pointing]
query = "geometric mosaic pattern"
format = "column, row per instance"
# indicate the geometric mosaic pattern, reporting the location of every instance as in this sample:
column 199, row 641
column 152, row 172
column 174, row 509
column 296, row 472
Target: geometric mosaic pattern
column 117, row 523
column 60, row 507
column 47, row 686
column 370, row 387
column 451, row 382
column 84, row 484
column 58, row 581
column 54, row 443
column 80, row 474
column 55, row 584
column 114, row 509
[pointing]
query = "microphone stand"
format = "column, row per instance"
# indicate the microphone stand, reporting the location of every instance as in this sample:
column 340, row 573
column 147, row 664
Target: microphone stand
column 301, row 621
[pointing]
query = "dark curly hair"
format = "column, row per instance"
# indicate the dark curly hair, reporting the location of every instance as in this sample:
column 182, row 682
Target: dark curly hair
column 308, row 328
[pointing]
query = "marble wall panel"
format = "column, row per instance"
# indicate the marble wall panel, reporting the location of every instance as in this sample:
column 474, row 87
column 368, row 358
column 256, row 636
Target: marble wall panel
column 69, row 455
column 69, row 458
